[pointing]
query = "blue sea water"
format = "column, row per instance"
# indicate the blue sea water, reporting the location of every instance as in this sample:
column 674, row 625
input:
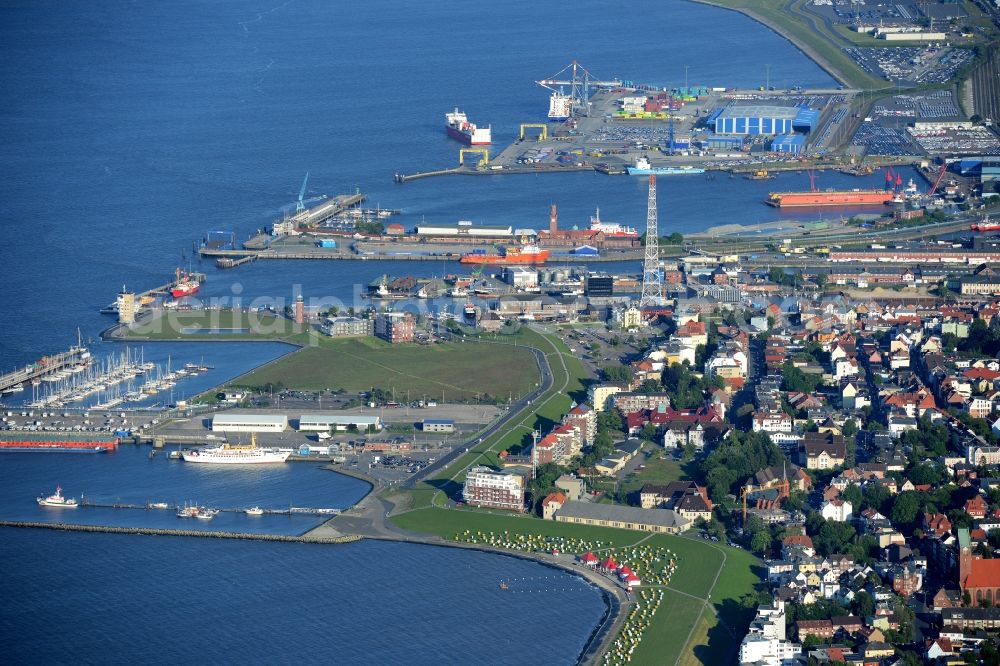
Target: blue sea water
column 131, row 128
column 72, row 598
column 129, row 476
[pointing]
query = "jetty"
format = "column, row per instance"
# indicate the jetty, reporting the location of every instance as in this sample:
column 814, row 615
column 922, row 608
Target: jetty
column 44, row 366
column 205, row 534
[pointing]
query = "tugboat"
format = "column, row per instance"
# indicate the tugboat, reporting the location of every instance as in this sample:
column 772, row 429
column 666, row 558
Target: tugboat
column 57, row 500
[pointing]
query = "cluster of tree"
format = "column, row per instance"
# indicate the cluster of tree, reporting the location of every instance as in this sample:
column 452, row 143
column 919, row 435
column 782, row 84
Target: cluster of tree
column 982, row 339
column 686, row 390
column 796, row 380
column 981, row 427
column 673, row 239
column 928, row 440
column 543, row 484
column 369, row 228
column 779, row 276
column 609, row 423
column 619, row 374
column 738, row 457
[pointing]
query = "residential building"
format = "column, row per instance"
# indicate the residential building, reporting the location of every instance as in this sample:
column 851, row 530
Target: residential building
column 822, row 450
column 571, row 486
column 600, row 395
column 552, row 503
column 395, row 327
column 837, row 510
column 487, row 487
column 343, row 327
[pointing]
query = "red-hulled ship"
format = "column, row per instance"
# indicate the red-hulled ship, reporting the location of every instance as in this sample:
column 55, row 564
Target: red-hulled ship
column 830, row 198
column 73, row 442
column 528, row 254
column 985, row 225
column 185, row 284
column 814, row 197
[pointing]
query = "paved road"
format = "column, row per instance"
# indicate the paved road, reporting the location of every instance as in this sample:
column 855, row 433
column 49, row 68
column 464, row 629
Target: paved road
column 515, row 410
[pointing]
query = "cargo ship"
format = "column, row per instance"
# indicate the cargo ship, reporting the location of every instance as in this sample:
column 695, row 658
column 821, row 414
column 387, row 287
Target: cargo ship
column 460, row 129
column 185, row 285
column 560, row 107
column 611, row 229
column 830, row 198
column 644, row 168
column 57, row 442
column 527, row 254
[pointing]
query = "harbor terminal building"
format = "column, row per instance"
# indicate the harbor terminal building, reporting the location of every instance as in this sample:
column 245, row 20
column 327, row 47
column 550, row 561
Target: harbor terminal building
column 241, row 422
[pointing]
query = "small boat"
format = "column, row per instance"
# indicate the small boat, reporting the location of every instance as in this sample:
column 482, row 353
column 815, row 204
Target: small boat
column 158, row 505
column 503, row 586
column 57, row 500
column 255, row 511
column 206, row 514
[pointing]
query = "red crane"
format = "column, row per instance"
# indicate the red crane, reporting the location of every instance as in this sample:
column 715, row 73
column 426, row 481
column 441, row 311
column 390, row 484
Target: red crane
column 944, row 167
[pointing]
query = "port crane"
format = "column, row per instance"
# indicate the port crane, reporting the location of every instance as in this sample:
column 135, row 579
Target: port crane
column 580, row 82
column 944, row 169
column 300, row 205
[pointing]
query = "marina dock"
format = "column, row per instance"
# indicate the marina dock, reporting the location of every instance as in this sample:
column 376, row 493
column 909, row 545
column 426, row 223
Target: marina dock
column 44, row 366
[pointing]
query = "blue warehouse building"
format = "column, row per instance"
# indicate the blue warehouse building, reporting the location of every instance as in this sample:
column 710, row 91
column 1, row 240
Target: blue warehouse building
column 759, row 119
column 789, row 143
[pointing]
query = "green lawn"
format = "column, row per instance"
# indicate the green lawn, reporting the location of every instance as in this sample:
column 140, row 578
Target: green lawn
column 215, row 325
column 449, row 522
column 448, row 372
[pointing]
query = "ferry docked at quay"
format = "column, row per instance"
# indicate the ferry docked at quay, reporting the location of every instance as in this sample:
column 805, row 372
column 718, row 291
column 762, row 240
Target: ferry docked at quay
column 642, row 167
column 459, row 128
column 236, row 454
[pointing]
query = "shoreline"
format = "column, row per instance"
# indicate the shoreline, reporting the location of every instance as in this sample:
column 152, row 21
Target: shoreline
column 804, row 48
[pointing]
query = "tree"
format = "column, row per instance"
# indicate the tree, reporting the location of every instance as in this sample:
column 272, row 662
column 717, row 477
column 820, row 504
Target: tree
column 649, row 432
column 760, row 542
column 852, row 494
column 621, row 374
column 905, row 509
column 863, row 604
column 850, row 428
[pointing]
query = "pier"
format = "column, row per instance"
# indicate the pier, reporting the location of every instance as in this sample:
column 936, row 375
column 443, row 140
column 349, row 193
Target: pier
column 231, row 262
column 44, row 366
column 292, row 510
column 150, row 531
column 143, row 298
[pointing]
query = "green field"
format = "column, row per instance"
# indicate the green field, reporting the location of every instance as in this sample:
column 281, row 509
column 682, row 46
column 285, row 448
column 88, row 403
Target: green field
column 450, row 372
column 216, row 325
column 684, row 610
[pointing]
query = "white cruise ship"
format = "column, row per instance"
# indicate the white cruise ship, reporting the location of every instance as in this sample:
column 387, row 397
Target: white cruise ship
column 236, row 454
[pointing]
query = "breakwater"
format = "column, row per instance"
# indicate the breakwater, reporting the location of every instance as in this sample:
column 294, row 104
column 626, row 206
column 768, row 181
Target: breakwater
column 152, row 531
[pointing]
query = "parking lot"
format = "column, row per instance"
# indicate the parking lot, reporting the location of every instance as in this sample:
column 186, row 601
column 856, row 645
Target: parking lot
column 911, row 65
column 880, row 140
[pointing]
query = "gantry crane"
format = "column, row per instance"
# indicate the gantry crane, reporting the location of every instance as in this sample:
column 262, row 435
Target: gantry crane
column 580, row 83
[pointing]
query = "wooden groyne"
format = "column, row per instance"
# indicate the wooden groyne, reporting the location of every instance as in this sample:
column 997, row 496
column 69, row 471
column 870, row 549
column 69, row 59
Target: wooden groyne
column 154, row 531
